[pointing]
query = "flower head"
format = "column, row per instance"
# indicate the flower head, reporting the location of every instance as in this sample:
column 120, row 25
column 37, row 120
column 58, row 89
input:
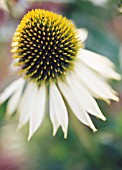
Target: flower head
column 48, row 52
column 46, row 45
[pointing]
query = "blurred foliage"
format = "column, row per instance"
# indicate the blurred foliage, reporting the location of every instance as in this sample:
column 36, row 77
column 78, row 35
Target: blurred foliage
column 83, row 150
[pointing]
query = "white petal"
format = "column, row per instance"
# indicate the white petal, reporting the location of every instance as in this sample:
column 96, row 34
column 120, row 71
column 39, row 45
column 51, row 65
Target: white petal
column 10, row 90
column 75, row 105
column 59, row 109
column 85, row 99
column 82, row 34
column 99, row 63
column 15, row 99
column 26, row 107
column 39, row 108
column 53, row 117
column 98, row 88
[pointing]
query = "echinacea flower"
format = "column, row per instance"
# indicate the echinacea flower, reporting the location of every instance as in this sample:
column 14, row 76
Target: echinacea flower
column 48, row 53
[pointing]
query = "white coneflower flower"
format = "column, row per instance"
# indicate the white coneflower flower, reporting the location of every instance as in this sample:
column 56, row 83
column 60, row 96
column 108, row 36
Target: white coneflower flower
column 48, row 51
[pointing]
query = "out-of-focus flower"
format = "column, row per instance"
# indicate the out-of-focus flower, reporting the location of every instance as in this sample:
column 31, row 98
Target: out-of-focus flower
column 3, row 5
column 119, row 6
column 51, row 6
column 2, row 16
column 48, row 51
column 115, row 26
column 12, row 149
column 120, row 9
column 16, row 7
column 100, row 2
column 59, row 1
column 3, row 12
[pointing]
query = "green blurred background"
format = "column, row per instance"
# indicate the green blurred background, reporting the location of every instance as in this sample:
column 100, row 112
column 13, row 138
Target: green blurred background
column 82, row 150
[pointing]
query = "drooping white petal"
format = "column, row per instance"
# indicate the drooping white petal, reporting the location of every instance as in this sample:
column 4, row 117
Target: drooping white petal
column 82, row 34
column 39, row 109
column 15, row 99
column 75, row 105
column 98, row 87
column 83, row 96
column 59, row 109
column 10, row 90
column 53, row 117
column 27, row 103
column 84, row 55
column 98, row 63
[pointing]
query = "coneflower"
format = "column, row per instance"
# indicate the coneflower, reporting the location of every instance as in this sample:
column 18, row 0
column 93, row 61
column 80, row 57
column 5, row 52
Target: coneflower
column 48, row 52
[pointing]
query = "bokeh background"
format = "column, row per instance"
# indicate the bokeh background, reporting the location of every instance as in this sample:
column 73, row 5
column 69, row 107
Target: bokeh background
column 82, row 150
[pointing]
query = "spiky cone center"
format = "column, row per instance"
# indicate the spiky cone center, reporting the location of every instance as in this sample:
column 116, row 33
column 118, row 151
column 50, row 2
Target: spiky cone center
column 45, row 45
